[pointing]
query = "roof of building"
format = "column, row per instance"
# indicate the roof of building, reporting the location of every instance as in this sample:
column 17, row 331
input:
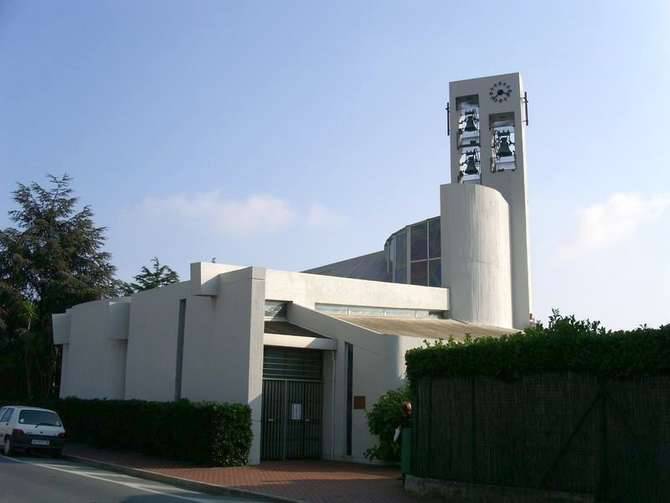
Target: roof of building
column 371, row 267
column 426, row 328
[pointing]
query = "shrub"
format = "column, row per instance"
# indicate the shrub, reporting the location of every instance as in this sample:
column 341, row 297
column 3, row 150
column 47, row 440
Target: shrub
column 199, row 432
column 385, row 416
column 566, row 344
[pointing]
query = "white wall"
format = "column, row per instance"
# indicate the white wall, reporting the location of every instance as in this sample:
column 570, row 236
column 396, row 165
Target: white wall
column 223, row 345
column 476, row 253
column 152, row 342
column 93, row 362
column 130, row 351
column 309, row 289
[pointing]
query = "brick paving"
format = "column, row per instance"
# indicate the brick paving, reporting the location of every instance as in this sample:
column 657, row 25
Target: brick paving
column 309, row 481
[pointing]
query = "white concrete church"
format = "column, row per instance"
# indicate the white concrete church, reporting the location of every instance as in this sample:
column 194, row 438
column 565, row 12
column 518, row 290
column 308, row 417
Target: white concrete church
column 311, row 351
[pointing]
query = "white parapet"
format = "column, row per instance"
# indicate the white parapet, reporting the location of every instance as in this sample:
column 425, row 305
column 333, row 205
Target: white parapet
column 476, row 264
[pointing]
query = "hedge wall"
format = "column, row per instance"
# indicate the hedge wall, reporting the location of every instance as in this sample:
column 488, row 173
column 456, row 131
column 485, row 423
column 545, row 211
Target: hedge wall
column 202, row 433
column 566, row 344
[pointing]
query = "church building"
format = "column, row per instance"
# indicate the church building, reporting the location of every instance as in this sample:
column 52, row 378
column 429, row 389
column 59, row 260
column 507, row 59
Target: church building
column 311, row 351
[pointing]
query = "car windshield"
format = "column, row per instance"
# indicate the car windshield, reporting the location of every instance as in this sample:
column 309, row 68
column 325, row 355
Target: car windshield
column 44, row 417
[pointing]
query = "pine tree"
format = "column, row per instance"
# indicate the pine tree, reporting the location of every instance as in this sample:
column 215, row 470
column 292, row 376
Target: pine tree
column 50, row 260
column 159, row 275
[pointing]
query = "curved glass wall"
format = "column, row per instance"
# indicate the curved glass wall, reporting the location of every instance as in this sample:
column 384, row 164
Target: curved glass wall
column 413, row 254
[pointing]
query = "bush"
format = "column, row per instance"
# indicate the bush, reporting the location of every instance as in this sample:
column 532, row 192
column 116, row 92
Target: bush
column 385, row 416
column 199, row 432
column 566, row 344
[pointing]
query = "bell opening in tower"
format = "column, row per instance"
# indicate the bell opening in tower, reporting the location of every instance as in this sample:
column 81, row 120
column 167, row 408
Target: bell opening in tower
column 503, row 142
column 468, row 139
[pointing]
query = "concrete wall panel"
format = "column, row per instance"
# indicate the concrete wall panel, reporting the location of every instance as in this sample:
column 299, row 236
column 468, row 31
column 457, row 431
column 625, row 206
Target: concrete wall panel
column 309, row 289
column 152, row 343
column 93, row 362
column 476, row 254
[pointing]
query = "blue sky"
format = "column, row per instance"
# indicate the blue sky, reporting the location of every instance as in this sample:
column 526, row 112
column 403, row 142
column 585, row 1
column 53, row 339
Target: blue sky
column 293, row 134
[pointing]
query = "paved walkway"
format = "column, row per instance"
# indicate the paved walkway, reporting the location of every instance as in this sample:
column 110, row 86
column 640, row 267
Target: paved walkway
column 309, row 481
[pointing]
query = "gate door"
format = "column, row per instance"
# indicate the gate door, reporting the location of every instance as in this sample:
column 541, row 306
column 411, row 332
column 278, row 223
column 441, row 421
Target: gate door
column 292, row 403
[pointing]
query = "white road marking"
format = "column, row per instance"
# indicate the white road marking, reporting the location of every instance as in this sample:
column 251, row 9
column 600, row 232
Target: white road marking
column 141, row 486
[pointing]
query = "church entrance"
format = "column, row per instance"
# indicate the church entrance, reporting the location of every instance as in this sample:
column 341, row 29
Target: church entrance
column 291, row 418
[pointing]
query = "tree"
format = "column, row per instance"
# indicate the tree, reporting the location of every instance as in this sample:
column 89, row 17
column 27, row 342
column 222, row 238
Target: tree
column 50, row 260
column 386, row 415
column 159, row 275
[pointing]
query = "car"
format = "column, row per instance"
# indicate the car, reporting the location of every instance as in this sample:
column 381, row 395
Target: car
column 25, row 428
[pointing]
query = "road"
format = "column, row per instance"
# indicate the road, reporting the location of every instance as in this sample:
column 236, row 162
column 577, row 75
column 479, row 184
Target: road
column 36, row 479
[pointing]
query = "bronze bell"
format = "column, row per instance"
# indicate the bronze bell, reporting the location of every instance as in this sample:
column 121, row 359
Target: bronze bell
column 503, row 148
column 470, row 166
column 470, row 125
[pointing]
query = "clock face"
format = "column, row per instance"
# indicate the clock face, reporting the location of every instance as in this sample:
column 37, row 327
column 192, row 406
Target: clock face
column 500, row 91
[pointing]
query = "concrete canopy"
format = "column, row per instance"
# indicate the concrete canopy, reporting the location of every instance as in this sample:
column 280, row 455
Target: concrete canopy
column 425, row 328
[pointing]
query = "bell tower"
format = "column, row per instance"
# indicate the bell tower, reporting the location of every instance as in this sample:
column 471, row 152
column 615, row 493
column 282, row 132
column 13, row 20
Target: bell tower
column 486, row 119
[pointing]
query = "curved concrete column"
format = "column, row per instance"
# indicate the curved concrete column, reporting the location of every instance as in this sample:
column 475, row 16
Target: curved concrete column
column 476, row 264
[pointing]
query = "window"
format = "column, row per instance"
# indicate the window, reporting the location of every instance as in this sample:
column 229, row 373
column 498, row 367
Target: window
column 419, row 273
column 419, row 238
column 425, row 245
column 503, row 142
column 423, row 242
column 434, row 245
column 36, row 417
column 275, row 310
column 435, row 272
column 468, row 139
column 6, row 415
column 400, row 264
column 393, row 312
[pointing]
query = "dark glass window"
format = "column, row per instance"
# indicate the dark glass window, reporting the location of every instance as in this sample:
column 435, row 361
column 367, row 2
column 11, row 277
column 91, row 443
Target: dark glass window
column 434, row 238
column 6, row 416
column 39, row 417
column 420, row 241
column 435, row 272
column 401, row 257
column 419, row 273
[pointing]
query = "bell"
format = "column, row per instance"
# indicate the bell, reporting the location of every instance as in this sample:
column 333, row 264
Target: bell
column 470, row 167
column 470, row 125
column 503, row 148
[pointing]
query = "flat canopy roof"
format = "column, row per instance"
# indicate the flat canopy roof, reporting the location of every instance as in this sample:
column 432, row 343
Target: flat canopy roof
column 426, row 328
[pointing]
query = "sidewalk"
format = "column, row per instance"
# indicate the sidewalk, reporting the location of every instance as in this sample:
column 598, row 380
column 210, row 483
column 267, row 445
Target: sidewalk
column 308, row 481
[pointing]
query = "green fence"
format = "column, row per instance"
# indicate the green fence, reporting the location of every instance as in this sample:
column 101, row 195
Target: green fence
column 560, row 431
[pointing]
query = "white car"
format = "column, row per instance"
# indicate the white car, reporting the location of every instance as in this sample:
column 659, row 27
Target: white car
column 30, row 428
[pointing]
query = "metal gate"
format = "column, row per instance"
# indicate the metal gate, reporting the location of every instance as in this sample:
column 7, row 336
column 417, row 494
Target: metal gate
column 292, row 404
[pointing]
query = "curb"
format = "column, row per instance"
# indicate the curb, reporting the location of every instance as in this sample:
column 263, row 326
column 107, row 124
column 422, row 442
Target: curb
column 179, row 481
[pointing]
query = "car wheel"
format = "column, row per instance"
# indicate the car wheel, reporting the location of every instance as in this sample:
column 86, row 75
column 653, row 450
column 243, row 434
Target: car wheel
column 57, row 453
column 8, row 450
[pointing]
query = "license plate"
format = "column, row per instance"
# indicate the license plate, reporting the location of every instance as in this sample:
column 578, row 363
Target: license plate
column 40, row 442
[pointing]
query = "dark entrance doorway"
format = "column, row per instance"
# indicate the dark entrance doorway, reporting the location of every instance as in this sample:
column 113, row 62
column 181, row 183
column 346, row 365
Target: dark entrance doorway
column 292, row 403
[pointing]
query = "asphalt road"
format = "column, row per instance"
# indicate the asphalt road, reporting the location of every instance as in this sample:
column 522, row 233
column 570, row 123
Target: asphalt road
column 39, row 479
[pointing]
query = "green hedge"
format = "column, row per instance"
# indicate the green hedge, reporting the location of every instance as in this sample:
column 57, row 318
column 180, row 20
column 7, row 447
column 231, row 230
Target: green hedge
column 566, row 344
column 203, row 432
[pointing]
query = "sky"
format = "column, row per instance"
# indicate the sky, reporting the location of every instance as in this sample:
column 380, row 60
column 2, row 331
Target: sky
column 297, row 133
